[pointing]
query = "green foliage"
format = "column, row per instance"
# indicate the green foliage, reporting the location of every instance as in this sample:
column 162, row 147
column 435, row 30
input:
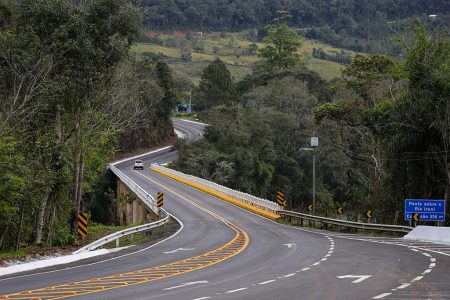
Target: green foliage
column 68, row 88
column 281, row 46
column 363, row 26
column 216, row 85
column 365, row 73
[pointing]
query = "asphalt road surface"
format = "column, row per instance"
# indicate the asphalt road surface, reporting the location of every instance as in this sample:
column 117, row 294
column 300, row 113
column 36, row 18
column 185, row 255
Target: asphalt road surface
column 224, row 252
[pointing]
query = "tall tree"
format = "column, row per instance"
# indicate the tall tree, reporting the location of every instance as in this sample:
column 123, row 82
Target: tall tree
column 216, row 85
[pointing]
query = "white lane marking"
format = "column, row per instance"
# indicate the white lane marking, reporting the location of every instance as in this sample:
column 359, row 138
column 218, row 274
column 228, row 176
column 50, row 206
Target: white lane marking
column 236, row 290
column 361, row 277
column 432, row 265
column 202, row 298
column 323, row 259
column 315, row 264
column 381, row 296
column 417, row 278
column 288, row 275
column 289, row 245
column 405, row 285
column 426, row 254
column 433, row 259
column 179, row 249
column 185, row 284
column 305, row 269
column 426, row 271
column 266, row 282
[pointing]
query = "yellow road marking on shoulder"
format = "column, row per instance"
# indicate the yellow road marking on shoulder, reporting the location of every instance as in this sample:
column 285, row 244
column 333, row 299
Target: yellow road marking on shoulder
column 101, row 284
column 219, row 195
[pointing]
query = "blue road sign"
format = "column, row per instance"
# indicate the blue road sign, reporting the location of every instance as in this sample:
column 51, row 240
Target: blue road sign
column 428, row 210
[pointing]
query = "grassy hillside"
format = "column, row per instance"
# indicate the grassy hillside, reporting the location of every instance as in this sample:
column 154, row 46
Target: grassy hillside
column 232, row 48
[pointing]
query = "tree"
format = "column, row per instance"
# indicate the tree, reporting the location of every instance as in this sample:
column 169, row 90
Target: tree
column 216, row 86
column 281, row 47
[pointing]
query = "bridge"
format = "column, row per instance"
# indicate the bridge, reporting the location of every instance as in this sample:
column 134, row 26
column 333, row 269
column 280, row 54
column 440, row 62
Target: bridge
column 223, row 251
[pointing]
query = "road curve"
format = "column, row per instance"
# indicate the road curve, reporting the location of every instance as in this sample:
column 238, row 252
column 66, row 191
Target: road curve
column 278, row 262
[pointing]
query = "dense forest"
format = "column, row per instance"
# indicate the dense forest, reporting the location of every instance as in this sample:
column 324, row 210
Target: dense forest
column 72, row 95
column 360, row 25
column 383, row 127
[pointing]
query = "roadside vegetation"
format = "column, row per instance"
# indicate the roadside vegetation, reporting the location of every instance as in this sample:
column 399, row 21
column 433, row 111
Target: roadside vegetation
column 188, row 53
column 383, row 127
column 72, row 98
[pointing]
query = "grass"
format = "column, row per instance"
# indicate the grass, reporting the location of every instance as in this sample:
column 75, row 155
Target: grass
column 326, row 69
column 22, row 252
column 232, row 49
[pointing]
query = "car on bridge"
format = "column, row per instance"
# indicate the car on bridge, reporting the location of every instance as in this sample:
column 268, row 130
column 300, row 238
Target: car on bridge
column 138, row 164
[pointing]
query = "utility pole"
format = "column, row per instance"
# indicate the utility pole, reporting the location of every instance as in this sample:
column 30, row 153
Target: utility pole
column 314, row 144
column 190, row 100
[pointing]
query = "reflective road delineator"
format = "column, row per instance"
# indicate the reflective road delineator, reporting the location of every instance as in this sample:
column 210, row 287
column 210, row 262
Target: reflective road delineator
column 280, row 199
column 82, row 224
column 160, row 199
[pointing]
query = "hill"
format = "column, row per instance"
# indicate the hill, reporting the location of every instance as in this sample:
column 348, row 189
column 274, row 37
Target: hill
column 360, row 25
column 188, row 54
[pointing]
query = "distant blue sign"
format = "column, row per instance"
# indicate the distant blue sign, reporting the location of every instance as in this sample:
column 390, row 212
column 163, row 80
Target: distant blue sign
column 429, row 210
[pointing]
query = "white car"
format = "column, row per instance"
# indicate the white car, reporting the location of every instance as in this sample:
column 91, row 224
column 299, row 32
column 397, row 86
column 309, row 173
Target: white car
column 138, row 164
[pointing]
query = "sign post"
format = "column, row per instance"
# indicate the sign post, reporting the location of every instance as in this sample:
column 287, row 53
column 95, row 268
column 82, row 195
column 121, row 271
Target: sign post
column 424, row 210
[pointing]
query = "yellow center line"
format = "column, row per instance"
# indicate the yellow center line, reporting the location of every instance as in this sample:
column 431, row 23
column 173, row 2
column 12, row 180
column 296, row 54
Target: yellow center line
column 95, row 285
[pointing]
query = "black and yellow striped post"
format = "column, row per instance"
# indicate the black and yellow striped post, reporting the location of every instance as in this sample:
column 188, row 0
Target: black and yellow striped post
column 280, row 199
column 160, row 199
column 82, row 224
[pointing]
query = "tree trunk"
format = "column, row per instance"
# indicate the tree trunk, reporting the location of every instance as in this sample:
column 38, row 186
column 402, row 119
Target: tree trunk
column 80, row 180
column 19, row 229
column 447, row 188
column 40, row 217
column 3, row 236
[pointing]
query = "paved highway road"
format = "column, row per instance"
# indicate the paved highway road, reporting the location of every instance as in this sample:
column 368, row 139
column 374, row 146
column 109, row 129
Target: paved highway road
column 224, row 252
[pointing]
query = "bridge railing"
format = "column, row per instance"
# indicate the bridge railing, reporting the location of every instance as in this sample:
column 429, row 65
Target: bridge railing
column 241, row 196
column 344, row 223
column 146, row 198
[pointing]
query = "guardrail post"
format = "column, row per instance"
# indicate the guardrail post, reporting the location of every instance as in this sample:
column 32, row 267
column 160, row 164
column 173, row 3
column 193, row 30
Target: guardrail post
column 117, row 242
column 132, row 237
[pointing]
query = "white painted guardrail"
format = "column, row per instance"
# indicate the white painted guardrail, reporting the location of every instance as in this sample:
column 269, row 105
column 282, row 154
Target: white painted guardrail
column 146, row 198
column 117, row 235
column 240, row 196
column 343, row 223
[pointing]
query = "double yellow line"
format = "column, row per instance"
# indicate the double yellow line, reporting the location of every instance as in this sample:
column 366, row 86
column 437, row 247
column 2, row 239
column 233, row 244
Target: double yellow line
column 101, row 284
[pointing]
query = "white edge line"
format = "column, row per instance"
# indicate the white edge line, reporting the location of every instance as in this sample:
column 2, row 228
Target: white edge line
column 106, row 260
column 189, row 121
column 140, row 155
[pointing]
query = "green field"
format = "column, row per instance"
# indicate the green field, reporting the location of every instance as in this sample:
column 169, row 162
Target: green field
column 233, row 49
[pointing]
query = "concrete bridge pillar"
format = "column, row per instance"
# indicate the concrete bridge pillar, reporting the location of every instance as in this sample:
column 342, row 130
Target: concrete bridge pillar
column 130, row 208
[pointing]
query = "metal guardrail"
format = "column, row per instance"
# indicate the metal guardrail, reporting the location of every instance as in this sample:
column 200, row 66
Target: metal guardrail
column 350, row 224
column 243, row 197
column 117, row 235
column 146, row 198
